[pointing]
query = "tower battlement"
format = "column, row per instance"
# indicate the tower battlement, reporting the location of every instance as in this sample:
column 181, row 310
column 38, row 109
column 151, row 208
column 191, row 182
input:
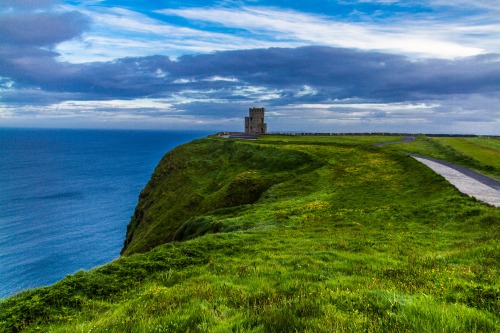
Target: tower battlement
column 256, row 110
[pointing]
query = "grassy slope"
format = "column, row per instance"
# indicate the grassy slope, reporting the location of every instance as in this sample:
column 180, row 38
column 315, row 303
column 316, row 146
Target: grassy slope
column 349, row 237
column 485, row 150
column 201, row 177
column 480, row 154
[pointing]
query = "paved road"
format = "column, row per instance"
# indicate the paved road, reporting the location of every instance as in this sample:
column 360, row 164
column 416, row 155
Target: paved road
column 466, row 181
column 469, row 182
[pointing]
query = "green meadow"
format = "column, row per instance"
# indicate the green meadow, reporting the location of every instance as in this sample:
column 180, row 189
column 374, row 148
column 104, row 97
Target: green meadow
column 291, row 234
column 485, row 150
column 479, row 153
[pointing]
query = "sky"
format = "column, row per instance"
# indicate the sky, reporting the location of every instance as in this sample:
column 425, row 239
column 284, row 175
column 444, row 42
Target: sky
column 416, row 66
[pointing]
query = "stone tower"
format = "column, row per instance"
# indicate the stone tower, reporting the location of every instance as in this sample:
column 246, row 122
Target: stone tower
column 254, row 124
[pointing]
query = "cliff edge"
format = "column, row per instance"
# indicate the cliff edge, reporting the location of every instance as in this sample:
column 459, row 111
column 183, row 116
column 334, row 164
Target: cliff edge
column 198, row 180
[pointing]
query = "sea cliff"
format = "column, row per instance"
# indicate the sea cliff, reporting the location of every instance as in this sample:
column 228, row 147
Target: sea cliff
column 198, row 181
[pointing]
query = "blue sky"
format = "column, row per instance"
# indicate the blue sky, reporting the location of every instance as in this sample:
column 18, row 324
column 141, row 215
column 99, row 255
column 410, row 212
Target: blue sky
column 428, row 66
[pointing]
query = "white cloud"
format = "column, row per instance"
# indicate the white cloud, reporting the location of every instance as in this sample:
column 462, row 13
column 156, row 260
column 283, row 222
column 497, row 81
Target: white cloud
column 5, row 84
column 417, row 38
column 475, row 114
column 257, row 93
column 369, row 106
column 468, row 4
column 184, row 81
column 142, row 103
column 306, row 91
column 221, row 78
column 118, row 33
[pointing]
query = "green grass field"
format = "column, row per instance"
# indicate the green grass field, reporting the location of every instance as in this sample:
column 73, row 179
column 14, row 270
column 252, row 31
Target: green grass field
column 486, row 151
column 338, row 139
column 479, row 154
column 288, row 234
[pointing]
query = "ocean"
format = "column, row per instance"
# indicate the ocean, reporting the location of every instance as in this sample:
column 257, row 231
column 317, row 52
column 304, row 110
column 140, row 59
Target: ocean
column 66, row 197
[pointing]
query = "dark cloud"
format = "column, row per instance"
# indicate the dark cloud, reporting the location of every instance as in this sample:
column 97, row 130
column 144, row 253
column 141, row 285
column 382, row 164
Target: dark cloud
column 349, row 73
column 37, row 97
column 26, row 4
column 251, row 75
column 40, row 29
column 28, row 31
column 226, row 110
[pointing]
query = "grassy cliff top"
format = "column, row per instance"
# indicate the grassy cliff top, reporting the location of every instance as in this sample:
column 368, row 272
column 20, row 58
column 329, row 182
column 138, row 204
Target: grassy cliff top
column 284, row 234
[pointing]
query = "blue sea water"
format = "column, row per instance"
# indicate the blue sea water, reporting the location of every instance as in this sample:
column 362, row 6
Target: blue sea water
column 66, row 197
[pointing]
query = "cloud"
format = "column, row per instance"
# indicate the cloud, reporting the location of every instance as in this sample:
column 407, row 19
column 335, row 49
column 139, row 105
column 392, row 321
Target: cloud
column 29, row 31
column 314, row 74
column 400, row 36
column 323, row 86
column 345, row 73
column 420, row 29
column 470, row 4
column 136, row 34
column 26, row 4
column 413, row 64
column 40, row 29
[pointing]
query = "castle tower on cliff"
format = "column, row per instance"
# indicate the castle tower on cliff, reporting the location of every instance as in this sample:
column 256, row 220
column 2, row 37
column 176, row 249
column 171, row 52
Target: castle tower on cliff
column 254, row 123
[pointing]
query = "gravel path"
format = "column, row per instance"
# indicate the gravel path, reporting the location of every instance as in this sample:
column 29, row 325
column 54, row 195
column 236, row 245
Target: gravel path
column 466, row 181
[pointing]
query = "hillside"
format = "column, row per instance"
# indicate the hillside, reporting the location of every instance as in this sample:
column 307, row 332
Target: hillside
column 202, row 177
column 479, row 154
column 283, row 234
